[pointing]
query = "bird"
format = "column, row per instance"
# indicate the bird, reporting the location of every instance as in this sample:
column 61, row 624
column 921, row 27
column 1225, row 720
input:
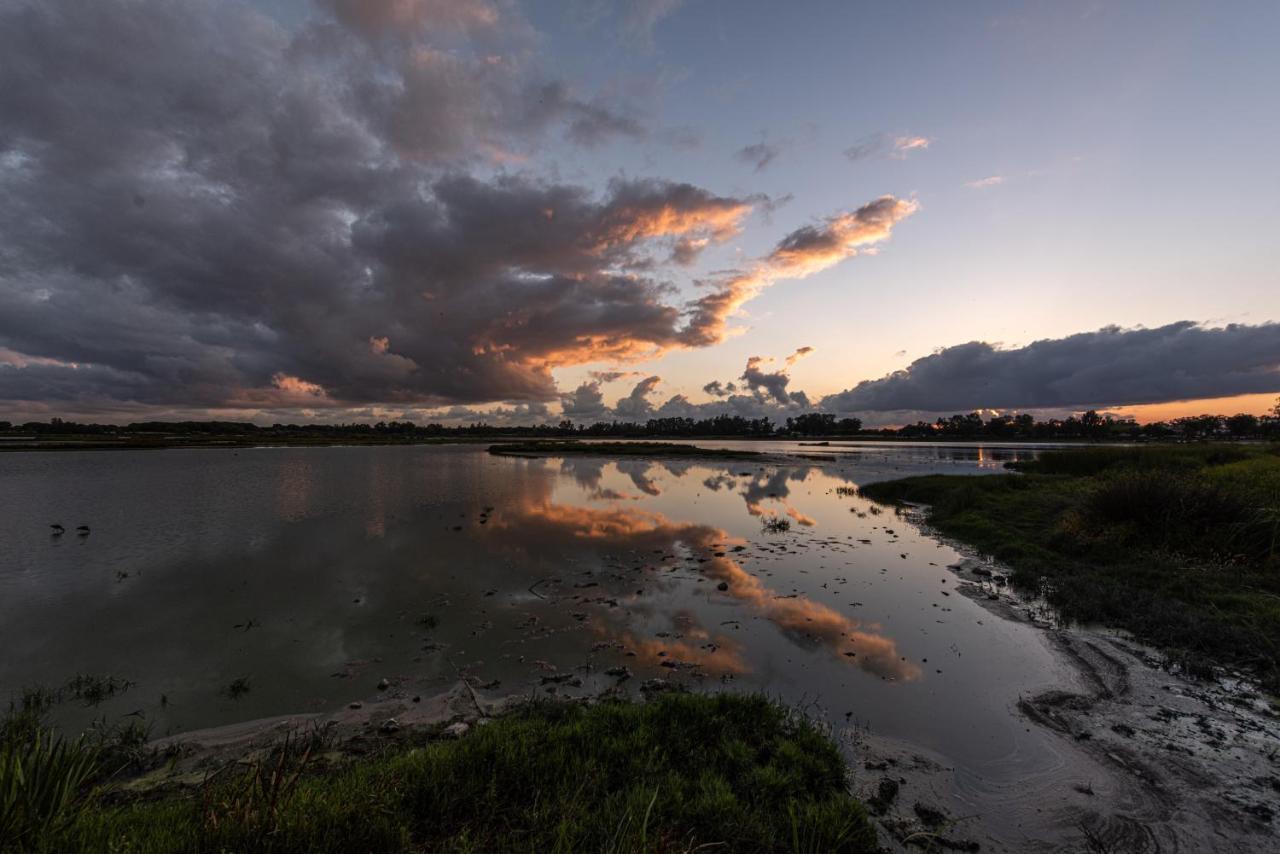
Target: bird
column 57, row 529
column 83, row 530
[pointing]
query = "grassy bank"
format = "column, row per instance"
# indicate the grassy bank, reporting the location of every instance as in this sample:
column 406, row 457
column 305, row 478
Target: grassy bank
column 1178, row 544
column 722, row 772
column 553, row 448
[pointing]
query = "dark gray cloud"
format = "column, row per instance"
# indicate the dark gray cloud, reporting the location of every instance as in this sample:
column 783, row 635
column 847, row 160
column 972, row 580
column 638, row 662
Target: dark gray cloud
column 612, row 376
column 204, row 209
column 1109, row 367
column 758, row 155
column 771, row 383
column 636, row 406
column 585, row 403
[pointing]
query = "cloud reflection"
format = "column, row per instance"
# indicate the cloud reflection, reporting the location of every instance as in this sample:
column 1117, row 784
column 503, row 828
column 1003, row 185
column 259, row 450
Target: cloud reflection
column 620, row 529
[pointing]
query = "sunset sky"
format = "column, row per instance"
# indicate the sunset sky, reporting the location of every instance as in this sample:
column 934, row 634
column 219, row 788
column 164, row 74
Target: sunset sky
column 462, row 209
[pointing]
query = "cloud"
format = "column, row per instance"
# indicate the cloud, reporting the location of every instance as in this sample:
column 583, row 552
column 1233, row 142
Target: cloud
column 585, row 403
column 717, row 389
column 642, row 16
column 389, row 17
column 985, row 183
column 805, row 251
column 636, row 406
column 773, row 384
column 798, row 355
column 758, row 155
column 239, row 200
column 1109, row 367
column 611, row 376
column 886, row 145
column 904, row 145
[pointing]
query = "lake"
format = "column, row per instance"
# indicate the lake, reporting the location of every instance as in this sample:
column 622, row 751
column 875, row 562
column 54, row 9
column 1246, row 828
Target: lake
column 314, row 573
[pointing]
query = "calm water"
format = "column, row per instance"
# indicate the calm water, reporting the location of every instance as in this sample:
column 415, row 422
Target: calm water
column 309, row 572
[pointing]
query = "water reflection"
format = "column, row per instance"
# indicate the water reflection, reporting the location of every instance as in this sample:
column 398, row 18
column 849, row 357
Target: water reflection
column 702, row 549
column 316, row 572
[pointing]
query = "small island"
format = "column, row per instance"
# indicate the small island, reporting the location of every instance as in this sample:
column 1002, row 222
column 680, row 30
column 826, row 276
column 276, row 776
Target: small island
column 554, row 448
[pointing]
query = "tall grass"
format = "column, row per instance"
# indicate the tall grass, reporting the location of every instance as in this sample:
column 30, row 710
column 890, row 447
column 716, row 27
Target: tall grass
column 43, row 781
column 681, row 773
column 1082, row 462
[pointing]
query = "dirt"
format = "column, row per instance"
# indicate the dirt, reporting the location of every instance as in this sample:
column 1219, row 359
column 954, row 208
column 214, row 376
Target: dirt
column 1148, row 760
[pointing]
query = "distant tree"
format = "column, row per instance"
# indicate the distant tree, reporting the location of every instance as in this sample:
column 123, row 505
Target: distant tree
column 812, row 424
column 847, row 426
column 1242, row 425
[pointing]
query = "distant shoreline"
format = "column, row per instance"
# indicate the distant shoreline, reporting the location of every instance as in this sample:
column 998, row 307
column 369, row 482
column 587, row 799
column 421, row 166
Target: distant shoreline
column 144, row 443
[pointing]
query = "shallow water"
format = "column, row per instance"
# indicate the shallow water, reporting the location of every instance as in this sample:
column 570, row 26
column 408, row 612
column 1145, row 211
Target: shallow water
column 310, row 572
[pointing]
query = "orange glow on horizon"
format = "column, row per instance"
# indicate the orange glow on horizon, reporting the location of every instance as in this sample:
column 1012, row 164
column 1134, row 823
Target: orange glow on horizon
column 1252, row 404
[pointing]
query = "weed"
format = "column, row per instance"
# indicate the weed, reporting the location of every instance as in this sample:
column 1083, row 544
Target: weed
column 237, row 689
column 775, row 525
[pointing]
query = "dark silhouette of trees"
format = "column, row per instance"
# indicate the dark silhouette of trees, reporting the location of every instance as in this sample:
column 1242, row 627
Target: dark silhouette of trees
column 1091, row 425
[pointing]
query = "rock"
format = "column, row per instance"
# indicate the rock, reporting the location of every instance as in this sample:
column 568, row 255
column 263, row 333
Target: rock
column 356, row 705
column 457, row 730
column 930, row 816
column 884, row 797
column 384, row 684
column 621, row 673
column 723, row 585
column 981, row 572
column 389, row 726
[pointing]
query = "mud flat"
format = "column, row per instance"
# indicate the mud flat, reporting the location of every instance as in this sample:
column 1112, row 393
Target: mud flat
column 1147, row 759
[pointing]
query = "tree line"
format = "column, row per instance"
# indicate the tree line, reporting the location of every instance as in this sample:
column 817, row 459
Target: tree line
column 1090, row 425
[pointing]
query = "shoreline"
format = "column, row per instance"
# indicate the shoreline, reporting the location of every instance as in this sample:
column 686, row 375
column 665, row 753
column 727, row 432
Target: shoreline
column 1148, row 759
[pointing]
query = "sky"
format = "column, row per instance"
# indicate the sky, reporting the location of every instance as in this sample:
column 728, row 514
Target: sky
column 455, row 210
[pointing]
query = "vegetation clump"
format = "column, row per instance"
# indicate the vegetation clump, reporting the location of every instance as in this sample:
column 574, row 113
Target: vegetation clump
column 615, row 449
column 775, row 525
column 680, row 772
column 1178, row 544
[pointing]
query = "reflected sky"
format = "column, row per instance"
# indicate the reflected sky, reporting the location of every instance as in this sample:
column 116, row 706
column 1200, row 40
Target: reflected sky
column 314, row 573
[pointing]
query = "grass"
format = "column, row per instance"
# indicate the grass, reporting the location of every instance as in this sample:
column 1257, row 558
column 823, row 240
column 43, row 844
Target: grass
column 1178, row 544
column 775, row 525
column 615, row 449
column 683, row 773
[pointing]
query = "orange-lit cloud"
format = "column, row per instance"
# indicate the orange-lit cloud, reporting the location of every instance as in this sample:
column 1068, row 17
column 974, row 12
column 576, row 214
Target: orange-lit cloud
column 801, row 253
column 904, row 145
column 985, row 183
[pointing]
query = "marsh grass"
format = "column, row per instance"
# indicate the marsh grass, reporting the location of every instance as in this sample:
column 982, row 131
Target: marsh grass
column 1177, row 544
column 775, row 525
column 681, row 773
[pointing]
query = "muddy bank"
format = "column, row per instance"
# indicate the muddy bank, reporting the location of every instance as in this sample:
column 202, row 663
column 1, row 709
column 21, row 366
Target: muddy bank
column 1146, row 759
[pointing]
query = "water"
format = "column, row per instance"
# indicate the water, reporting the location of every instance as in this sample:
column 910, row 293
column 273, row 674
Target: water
column 315, row 572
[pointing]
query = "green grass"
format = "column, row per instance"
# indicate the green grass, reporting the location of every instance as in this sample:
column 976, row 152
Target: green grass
column 555, row 448
column 682, row 773
column 1179, row 545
